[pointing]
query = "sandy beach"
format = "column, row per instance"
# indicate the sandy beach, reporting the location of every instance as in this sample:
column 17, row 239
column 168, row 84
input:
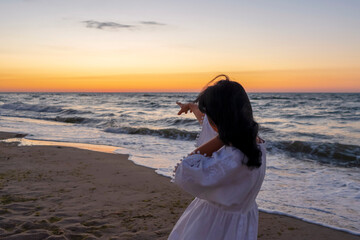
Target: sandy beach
column 56, row 192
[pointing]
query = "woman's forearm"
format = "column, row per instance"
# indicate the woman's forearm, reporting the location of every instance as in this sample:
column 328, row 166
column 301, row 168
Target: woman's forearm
column 192, row 107
column 210, row 147
column 195, row 110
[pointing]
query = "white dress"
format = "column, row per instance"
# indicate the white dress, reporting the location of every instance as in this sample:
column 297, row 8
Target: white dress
column 225, row 190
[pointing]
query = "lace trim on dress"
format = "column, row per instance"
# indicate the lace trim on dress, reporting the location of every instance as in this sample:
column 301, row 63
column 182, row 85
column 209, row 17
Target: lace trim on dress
column 194, row 162
column 206, row 171
column 196, row 145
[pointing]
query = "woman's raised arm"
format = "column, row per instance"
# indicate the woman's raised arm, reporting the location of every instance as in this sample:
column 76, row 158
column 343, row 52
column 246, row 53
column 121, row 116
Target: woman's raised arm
column 192, row 107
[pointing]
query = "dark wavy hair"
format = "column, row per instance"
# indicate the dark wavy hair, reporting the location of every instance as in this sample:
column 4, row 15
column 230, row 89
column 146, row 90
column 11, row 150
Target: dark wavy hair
column 227, row 105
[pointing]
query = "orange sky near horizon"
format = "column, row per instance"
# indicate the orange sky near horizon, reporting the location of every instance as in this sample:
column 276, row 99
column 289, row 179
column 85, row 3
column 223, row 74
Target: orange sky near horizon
column 253, row 81
column 142, row 46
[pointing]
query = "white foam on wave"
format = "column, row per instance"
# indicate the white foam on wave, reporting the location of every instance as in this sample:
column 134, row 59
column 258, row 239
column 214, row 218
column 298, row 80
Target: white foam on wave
column 31, row 107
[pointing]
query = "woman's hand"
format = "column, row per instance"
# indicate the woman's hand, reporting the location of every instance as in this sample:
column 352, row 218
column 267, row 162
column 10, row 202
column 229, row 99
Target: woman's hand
column 193, row 108
column 185, row 107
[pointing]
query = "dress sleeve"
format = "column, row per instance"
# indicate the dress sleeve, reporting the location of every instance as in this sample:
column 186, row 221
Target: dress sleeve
column 201, row 176
column 206, row 134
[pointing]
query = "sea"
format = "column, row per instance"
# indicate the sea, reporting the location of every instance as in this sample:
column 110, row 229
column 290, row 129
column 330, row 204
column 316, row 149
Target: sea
column 313, row 141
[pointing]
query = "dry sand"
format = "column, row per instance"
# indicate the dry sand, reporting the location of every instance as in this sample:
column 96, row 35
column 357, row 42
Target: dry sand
column 53, row 192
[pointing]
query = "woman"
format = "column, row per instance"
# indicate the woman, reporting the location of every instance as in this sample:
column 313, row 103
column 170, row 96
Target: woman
column 227, row 169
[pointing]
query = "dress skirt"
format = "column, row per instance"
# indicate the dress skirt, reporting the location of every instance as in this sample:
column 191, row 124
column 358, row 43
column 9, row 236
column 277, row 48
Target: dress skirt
column 205, row 220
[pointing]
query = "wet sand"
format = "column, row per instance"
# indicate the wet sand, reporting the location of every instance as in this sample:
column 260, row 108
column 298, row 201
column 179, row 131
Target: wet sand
column 56, row 192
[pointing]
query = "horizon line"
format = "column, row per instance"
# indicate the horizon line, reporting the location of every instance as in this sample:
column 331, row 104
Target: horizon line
column 172, row 92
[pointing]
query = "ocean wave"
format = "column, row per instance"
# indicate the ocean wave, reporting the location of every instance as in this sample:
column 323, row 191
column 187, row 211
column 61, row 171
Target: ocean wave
column 149, row 95
column 74, row 111
column 31, row 107
column 20, row 106
column 312, row 135
column 270, row 97
column 181, row 121
column 328, row 153
column 308, row 116
column 85, row 94
column 70, row 119
column 171, row 133
column 266, row 129
column 74, row 119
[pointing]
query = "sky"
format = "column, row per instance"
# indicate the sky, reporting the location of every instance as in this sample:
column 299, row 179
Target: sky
column 158, row 45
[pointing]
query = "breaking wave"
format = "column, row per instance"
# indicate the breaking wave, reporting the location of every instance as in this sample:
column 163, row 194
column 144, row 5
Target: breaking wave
column 171, row 133
column 19, row 106
column 324, row 152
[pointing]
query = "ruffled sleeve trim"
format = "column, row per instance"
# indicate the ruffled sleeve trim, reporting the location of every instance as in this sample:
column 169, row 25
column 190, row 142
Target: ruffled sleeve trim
column 198, row 174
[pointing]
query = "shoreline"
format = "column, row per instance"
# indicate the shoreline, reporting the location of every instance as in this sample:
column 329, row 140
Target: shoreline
column 147, row 199
column 20, row 138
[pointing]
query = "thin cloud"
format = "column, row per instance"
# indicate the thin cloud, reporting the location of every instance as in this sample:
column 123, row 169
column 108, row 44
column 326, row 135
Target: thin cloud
column 106, row 25
column 152, row 23
column 115, row 25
